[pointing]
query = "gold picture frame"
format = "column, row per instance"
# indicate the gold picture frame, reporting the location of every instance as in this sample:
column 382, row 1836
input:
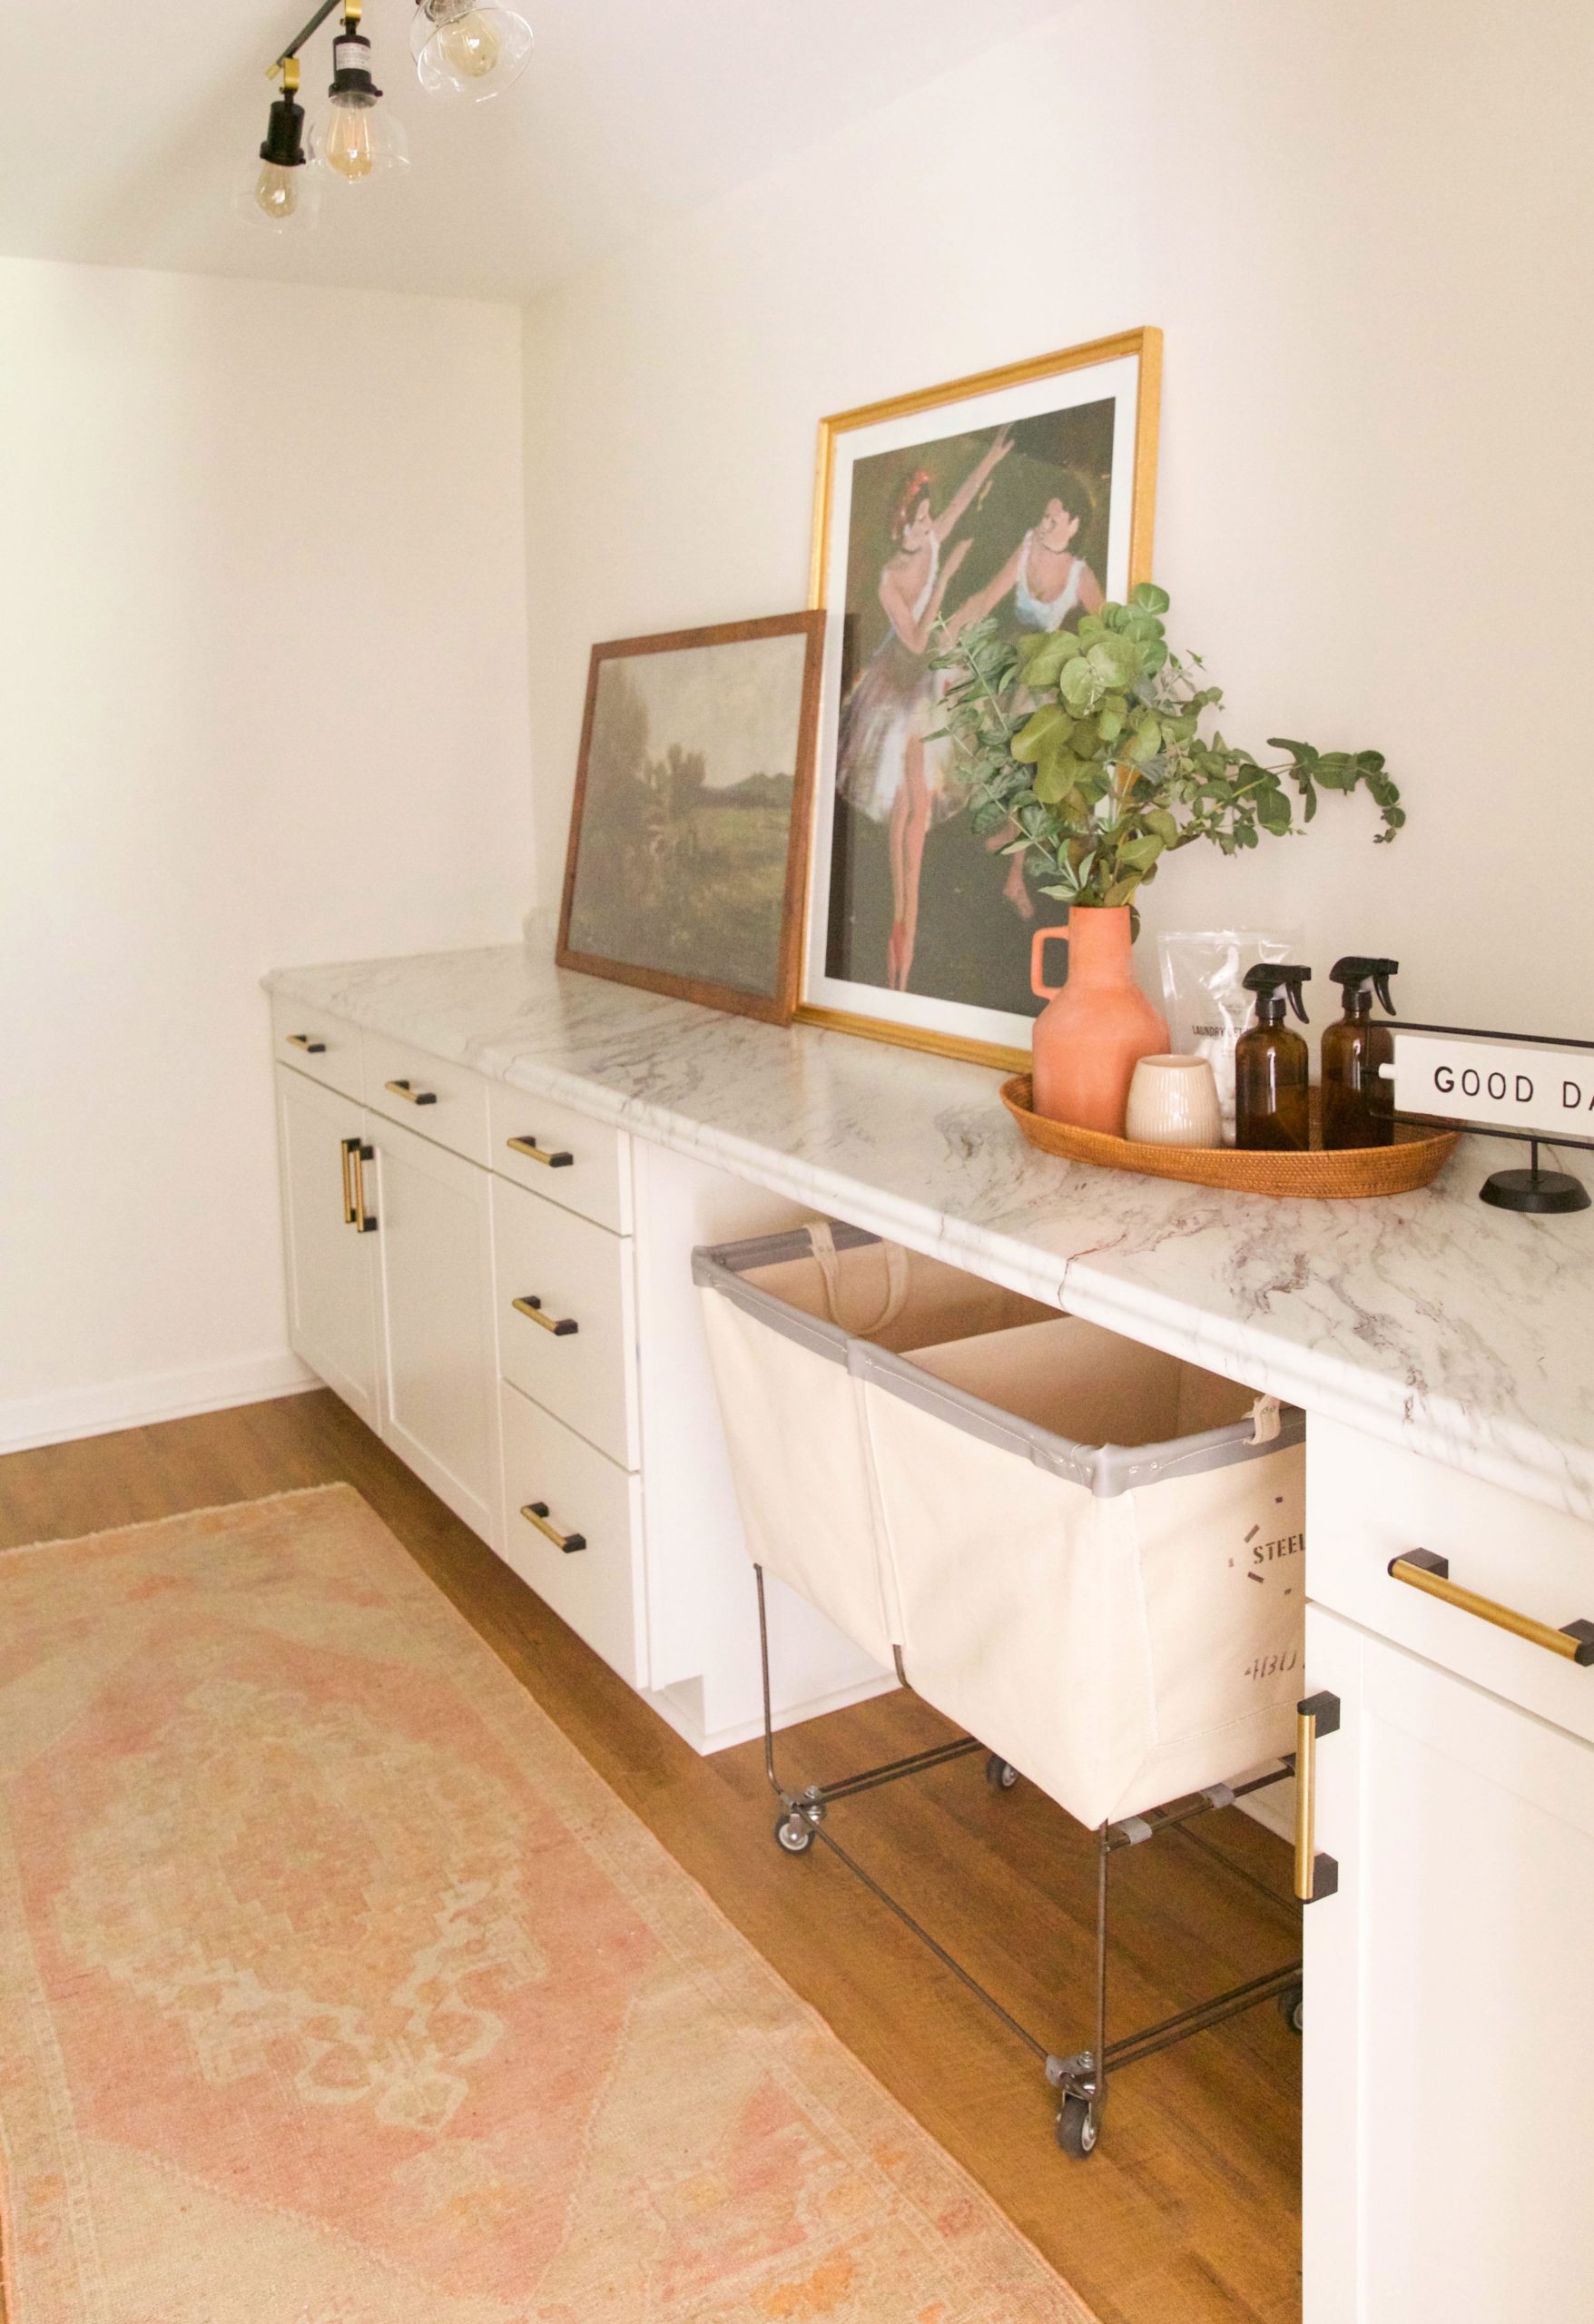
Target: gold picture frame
column 996, row 403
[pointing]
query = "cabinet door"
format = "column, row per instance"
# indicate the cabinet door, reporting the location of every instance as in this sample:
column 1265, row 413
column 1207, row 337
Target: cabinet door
column 1450, row 2013
column 435, row 1259
column 331, row 1282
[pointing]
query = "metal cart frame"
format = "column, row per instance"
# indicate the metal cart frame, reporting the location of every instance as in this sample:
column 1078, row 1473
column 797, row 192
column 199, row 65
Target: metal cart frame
column 1081, row 2080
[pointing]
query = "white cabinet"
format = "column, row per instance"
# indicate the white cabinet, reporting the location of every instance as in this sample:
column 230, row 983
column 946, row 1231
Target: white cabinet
column 435, row 1263
column 1450, row 2015
column 332, row 1260
column 512, row 1310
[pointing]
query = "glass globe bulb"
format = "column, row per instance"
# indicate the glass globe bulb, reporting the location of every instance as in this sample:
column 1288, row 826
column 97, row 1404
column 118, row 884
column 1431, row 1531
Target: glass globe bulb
column 465, row 50
column 357, row 142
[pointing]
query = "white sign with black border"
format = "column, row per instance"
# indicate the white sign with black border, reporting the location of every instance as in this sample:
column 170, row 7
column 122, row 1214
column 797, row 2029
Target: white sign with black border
column 1537, row 1091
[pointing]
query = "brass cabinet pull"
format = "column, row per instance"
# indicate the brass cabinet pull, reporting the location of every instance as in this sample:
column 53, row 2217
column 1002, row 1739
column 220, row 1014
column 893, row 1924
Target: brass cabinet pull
column 535, row 1512
column 347, row 1148
column 533, row 1307
column 306, row 1041
column 1315, row 1875
column 1426, row 1571
column 411, row 1097
column 360, row 1154
column 535, row 1153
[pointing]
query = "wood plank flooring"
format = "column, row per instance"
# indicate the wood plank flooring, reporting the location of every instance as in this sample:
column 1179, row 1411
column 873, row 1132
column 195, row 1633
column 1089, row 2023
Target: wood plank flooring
column 1188, row 2212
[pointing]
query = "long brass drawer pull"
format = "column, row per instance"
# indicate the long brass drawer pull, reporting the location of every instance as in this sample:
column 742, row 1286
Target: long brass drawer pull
column 347, row 1149
column 410, row 1096
column 360, row 1154
column 306, row 1041
column 532, row 1152
column 535, row 1512
column 533, row 1307
column 1315, row 1875
column 1426, row 1571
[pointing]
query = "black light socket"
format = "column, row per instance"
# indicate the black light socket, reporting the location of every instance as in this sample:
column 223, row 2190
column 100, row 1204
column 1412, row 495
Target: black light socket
column 351, row 75
column 284, row 139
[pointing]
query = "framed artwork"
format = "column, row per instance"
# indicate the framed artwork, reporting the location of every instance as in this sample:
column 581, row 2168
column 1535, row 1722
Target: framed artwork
column 689, row 832
column 1027, row 494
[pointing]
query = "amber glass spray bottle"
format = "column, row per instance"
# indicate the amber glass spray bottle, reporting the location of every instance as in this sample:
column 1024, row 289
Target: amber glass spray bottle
column 1273, row 1066
column 1358, row 1103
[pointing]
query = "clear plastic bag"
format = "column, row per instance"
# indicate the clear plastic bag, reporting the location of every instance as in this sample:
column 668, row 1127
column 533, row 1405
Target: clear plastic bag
column 1209, row 1008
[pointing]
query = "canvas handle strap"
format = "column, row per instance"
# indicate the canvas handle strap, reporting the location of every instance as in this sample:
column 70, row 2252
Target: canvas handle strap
column 823, row 1244
column 1265, row 1420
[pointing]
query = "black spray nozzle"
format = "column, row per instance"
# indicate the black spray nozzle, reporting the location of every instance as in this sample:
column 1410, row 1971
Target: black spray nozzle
column 1266, row 980
column 1357, row 970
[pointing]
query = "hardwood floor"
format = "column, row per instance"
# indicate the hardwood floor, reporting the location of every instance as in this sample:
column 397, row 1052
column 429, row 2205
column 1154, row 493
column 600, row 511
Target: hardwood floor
column 1188, row 2212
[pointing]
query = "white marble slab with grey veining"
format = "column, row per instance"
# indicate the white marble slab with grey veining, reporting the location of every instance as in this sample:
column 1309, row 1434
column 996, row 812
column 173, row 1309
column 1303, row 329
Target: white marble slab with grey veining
column 1428, row 1319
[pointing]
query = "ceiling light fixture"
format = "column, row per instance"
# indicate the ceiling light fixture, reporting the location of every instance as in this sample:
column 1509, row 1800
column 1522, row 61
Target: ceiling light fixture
column 358, row 137
column 462, row 48
column 279, row 193
column 469, row 48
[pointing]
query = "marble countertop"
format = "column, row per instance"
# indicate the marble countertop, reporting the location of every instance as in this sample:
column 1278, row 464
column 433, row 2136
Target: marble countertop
column 1427, row 1319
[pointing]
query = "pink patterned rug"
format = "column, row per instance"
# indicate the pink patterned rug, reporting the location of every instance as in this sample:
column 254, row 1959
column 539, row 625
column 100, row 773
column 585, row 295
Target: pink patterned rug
column 336, row 1988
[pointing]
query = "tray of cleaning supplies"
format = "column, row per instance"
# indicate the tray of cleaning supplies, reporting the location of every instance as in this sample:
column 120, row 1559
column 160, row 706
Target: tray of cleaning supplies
column 1415, row 1159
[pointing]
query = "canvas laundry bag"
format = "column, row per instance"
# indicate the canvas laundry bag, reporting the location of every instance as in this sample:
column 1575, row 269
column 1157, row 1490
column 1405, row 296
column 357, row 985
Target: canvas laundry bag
column 782, row 1315
column 1096, row 1557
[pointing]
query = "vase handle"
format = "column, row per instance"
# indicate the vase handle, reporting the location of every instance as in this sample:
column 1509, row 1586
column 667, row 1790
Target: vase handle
column 1042, row 937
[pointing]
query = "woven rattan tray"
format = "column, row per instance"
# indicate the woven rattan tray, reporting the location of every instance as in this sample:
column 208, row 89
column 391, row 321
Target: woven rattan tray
column 1415, row 1159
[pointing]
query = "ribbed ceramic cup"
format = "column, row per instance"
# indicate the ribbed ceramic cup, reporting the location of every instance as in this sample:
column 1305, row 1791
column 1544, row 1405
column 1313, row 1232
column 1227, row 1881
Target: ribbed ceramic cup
column 1172, row 1101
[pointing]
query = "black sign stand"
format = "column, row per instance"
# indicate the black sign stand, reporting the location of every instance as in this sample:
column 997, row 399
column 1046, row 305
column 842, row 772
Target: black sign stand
column 1532, row 1189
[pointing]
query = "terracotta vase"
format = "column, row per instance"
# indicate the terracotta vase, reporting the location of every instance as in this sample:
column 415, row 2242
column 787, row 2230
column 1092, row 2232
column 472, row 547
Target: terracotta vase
column 1097, row 1025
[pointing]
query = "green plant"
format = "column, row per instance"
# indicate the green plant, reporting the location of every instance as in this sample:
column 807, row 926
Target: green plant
column 1087, row 745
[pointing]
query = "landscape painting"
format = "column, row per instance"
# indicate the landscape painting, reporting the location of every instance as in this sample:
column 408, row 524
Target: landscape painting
column 689, row 832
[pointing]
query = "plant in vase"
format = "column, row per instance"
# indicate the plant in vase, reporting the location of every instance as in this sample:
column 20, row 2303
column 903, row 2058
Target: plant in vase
column 1086, row 747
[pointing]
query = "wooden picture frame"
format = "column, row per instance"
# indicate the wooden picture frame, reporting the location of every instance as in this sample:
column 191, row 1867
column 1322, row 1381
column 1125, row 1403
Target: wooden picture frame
column 658, row 742
column 1105, row 396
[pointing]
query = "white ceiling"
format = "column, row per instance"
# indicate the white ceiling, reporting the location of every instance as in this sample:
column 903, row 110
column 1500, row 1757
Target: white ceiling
column 129, row 126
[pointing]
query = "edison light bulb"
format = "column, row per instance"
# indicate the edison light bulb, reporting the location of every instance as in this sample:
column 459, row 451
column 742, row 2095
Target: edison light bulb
column 357, row 142
column 278, row 193
column 275, row 193
column 470, row 45
column 357, row 136
column 348, row 146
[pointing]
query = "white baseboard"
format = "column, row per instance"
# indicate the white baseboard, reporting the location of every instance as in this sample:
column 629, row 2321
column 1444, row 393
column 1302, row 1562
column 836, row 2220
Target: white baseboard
column 57, row 1419
column 681, row 1707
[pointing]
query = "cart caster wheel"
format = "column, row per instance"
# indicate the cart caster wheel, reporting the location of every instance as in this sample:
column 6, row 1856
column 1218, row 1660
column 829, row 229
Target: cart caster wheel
column 794, row 1835
column 998, row 1774
column 1077, row 2128
column 1292, row 2008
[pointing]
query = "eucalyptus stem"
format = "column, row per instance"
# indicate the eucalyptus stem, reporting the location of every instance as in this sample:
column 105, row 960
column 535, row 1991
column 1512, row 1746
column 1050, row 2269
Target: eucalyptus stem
column 1113, row 725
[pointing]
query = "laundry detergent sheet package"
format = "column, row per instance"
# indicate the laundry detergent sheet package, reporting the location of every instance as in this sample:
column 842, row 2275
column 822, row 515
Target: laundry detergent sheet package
column 1204, row 992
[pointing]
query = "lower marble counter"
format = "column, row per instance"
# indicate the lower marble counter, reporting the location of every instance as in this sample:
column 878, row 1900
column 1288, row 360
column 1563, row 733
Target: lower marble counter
column 1430, row 1320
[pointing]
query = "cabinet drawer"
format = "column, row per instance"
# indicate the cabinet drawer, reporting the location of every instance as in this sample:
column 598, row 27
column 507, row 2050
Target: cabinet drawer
column 311, row 1041
column 561, row 1154
column 580, row 1495
column 1368, row 1502
column 580, row 1362
column 446, row 1103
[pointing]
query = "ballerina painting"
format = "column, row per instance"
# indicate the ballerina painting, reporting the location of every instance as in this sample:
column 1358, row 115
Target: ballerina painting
column 1012, row 498
column 888, row 762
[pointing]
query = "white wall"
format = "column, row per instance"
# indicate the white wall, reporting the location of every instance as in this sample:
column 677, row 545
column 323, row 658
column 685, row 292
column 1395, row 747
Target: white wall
column 261, row 700
column 1365, row 229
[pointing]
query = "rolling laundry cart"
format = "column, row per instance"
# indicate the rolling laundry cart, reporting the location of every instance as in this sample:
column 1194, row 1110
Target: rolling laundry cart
column 1084, row 1551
